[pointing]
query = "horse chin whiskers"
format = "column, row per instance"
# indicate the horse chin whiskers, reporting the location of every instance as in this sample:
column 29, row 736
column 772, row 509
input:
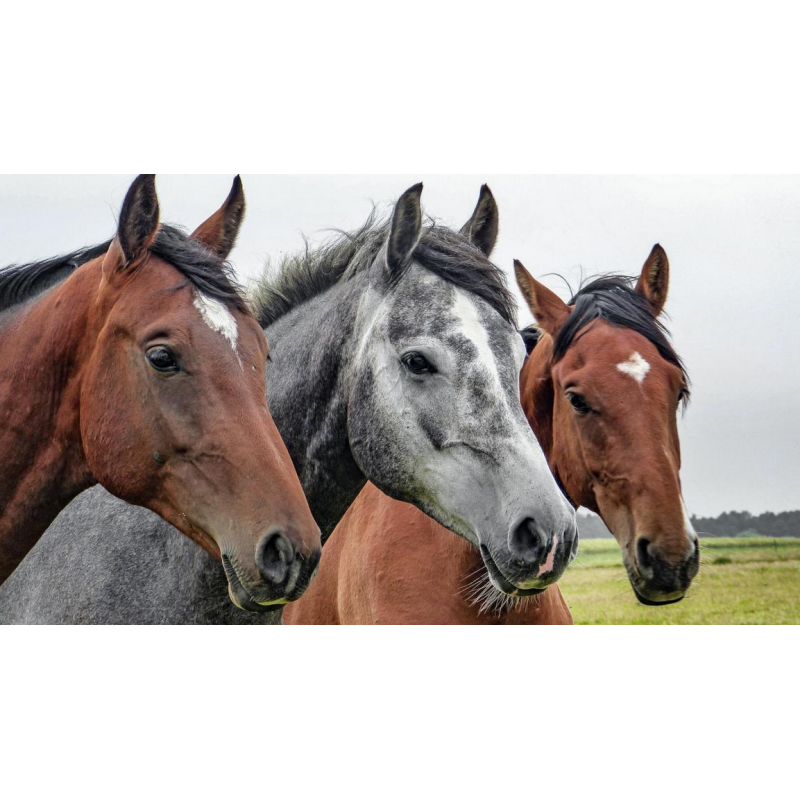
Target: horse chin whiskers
column 480, row 591
column 238, row 592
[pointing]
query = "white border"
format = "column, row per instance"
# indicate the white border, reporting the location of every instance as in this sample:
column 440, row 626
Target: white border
column 412, row 88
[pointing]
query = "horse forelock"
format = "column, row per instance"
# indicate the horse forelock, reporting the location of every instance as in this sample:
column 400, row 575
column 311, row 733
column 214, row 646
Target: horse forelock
column 612, row 299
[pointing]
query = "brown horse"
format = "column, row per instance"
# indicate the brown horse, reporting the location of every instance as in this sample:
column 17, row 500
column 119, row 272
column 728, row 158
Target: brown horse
column 136, row 364
column 600, row 388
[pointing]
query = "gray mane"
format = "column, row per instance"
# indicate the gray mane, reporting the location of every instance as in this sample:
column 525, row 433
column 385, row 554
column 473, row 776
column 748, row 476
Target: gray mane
column 449, row 255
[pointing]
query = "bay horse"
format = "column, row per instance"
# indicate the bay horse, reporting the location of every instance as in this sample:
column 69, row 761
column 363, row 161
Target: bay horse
column 137, row 365
column 601, row 389
column 394, row 358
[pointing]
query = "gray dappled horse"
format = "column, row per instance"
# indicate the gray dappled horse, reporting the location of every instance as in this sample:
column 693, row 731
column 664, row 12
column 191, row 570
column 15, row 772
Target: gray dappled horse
column 395, row 359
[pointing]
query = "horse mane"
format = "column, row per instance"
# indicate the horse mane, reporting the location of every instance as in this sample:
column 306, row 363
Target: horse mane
column 308, row 273
column 22, row 282
column 613, row 299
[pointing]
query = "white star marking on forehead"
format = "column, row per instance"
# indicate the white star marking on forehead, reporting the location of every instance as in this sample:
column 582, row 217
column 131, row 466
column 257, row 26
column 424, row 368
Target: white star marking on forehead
column 636, row 367
column 218, row 318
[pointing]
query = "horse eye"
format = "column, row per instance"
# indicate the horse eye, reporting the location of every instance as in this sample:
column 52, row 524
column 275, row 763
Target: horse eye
column 578, row 403
column 417, row 364
column 162, row 359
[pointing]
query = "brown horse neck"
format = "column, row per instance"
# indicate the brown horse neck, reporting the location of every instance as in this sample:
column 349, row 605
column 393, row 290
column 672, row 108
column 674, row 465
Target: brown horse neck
column 40, row 441
column 537, row 393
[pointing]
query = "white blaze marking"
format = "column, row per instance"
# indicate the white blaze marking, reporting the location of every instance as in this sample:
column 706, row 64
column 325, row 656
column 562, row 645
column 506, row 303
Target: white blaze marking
column 520, row 352
column 218, row 318
column 636, row 367
column 473, row 329
column 687, row 524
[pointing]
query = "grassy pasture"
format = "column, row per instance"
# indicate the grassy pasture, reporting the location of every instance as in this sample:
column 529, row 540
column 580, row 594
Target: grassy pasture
column 741, row 581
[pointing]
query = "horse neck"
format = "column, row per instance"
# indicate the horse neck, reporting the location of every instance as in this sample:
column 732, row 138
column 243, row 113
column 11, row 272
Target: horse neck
column 308, row 394
column 44, row 347
column 536, row 389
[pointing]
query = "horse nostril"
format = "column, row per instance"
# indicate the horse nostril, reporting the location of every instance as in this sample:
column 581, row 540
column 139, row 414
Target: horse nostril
column 274, row 556
column 644, row 559
column 692, row 564
column 527, row 543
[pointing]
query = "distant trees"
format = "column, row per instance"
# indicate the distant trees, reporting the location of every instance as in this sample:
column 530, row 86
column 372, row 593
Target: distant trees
column 730, row 523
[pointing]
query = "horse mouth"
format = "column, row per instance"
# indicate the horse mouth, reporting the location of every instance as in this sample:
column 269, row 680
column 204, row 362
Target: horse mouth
column 500, row 581
column 668, row 598
column 239, row 595
column 645, row 601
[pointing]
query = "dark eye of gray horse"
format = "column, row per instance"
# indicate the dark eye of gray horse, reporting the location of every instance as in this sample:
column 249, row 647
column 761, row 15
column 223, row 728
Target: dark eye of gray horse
column 162, row 359
column 417, row 364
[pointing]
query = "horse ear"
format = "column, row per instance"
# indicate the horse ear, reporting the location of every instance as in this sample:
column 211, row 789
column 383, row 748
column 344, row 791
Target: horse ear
column 654, row 281
column 482, row 227
column 218, row 233
column 138, row 220
column 406, row 229
column 549, row 310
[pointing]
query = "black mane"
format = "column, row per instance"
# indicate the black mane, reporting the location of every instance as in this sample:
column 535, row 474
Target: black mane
column 442, row 251
column 21, row 282
column 613, row 299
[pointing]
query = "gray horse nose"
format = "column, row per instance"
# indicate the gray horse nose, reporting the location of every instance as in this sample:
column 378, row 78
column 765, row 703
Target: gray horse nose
column 576, row 542
column 528, row 543
column 274, row 556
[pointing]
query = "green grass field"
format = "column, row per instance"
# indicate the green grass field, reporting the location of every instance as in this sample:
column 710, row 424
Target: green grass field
column 741, row 581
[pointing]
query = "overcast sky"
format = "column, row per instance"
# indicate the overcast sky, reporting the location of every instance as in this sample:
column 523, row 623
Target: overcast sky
column 733, row 245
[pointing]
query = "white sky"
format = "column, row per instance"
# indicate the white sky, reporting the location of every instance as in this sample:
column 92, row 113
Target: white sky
column 733, row 245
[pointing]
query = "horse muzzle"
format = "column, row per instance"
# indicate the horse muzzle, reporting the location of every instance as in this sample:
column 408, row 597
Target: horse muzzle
column 535, row 559
column 657, row 581
column 284, row 574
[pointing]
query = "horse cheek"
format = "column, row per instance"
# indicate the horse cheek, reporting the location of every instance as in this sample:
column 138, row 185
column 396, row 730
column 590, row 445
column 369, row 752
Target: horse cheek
column 111, row 428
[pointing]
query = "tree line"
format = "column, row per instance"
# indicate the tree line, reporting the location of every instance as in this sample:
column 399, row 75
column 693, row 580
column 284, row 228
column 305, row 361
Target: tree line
column 729, row 523
column 733, row 523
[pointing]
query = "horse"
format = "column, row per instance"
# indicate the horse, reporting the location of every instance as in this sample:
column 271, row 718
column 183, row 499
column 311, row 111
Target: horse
column 394, row 358
column 600, row 388
column 136, row 365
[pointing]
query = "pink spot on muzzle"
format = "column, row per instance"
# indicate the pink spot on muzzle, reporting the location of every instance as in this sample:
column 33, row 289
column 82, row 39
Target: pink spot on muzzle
column 551, row 559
